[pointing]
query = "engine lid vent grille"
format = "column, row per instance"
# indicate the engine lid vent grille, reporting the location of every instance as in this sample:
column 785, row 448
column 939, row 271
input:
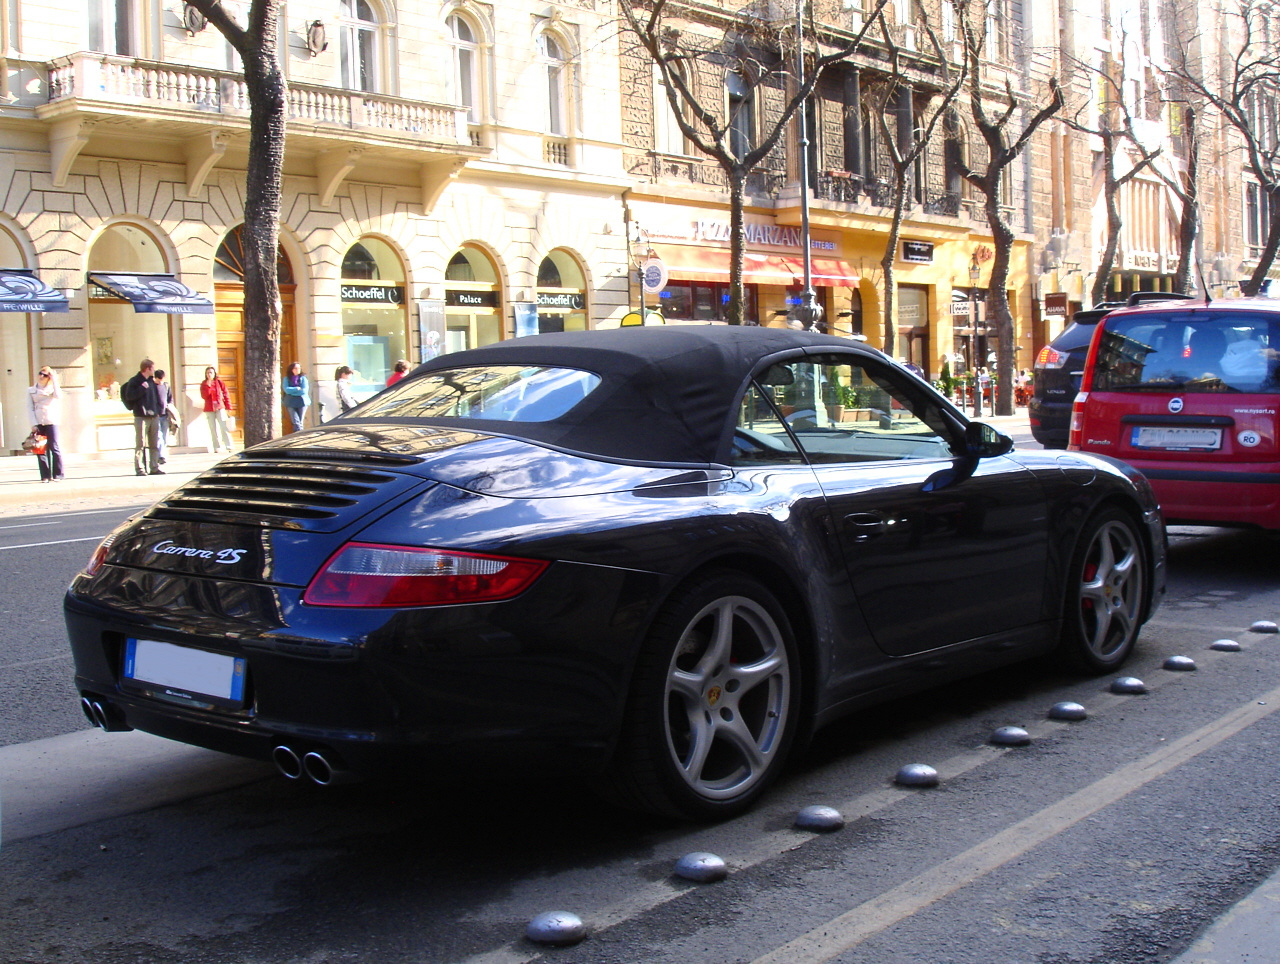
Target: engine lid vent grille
column 282, row 493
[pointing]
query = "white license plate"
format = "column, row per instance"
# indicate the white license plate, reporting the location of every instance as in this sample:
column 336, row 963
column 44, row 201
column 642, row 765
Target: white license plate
column 183, row 673
column 1164, row 437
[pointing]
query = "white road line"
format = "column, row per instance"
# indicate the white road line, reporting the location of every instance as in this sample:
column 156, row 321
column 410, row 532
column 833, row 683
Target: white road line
column 55, row 542
column 28, row 525
column 769, row 845
column 841, row 933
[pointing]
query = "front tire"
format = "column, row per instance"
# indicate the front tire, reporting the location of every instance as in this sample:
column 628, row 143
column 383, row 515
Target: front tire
column 1106, row 594
column 714, row 702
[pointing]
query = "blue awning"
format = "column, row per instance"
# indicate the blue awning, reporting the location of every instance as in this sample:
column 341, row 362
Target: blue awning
column 161, row 294
column 21, row 290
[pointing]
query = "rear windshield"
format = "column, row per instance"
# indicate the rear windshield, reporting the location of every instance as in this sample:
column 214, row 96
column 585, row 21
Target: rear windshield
column 1202, row 351
column 504, row 393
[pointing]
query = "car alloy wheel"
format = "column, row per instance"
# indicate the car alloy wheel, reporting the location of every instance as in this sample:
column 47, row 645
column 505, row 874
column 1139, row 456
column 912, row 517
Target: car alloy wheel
column 714, row 701
column 1107, row 595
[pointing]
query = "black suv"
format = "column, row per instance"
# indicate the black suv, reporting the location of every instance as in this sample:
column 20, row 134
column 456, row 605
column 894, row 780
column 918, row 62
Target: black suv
column 1060, row 366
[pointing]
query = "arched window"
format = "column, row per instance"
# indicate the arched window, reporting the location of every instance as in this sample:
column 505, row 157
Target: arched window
column 740, row 105
column 359, row 26
column 555, row 62
column 464, row 79
column 667, row 136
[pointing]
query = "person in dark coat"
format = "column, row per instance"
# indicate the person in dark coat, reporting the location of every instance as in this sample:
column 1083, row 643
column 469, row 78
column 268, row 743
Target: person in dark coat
column 141, row 397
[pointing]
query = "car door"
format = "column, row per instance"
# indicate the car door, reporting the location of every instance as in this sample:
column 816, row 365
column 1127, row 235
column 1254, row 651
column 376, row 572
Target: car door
column 940, row 548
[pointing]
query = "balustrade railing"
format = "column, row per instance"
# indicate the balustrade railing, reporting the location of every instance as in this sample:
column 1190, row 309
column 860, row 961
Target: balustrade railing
column 126, row 80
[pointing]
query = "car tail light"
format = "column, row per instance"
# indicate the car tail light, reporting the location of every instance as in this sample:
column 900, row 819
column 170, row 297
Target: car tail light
column 361, row 574
column 1077, row 421
column 99, row 555
column 1050, row 357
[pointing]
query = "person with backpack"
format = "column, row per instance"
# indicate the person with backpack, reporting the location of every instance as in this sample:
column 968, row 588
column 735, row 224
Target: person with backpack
column 141, row 397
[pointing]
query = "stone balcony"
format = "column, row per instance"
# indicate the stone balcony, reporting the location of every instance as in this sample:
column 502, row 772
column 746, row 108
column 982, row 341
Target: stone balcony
column 202, row 112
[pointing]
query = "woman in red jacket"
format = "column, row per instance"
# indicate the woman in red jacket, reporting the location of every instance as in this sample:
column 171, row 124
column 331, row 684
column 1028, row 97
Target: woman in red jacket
column 217, row 402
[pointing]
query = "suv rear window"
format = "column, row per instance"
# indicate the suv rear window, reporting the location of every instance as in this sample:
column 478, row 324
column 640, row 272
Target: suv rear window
column 1192, row 351
column 505, row 393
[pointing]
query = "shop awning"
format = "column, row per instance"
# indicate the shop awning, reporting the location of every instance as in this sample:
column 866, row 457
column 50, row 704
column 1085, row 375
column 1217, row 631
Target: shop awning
column 160, row 294
column 21, row 290
column 686, row 262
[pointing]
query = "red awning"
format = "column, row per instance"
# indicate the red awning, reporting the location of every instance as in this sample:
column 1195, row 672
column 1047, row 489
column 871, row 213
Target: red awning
column 686, row 262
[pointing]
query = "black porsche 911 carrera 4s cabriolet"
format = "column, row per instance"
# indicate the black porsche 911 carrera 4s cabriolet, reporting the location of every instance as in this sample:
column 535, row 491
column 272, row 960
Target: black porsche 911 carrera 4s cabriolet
column 663, row 554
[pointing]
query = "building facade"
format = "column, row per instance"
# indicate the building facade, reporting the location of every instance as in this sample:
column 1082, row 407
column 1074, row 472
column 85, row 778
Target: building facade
column 453, row 176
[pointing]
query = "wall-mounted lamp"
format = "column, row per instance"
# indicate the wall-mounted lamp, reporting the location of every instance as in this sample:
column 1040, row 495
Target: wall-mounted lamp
column 316, row 41
column 193, row 20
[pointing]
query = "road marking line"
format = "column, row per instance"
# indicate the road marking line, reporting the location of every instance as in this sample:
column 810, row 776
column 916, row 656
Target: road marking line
column 772, row 844
column 28, row 525
column 841, row 933
column 55, row 542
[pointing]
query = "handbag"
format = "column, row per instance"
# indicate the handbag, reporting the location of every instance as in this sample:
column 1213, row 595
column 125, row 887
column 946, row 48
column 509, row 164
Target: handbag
column 35, row 443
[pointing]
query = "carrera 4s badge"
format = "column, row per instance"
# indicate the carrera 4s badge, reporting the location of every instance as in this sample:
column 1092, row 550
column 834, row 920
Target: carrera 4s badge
column 169, row 548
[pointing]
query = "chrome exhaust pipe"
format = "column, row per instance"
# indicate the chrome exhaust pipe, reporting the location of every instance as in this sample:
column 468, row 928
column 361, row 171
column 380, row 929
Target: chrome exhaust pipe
column 287, row 762
column 323, row 771
column 104, row 716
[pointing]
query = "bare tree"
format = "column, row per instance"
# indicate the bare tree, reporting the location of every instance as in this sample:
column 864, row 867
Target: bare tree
column 257, row 42
column 1107, row 116
column 758, row 49
column 1185, row 186
column 996, row 114
column 906, row 141
column 1242, row 84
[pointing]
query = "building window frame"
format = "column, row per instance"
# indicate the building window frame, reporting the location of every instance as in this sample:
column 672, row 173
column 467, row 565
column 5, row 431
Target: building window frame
column 362, row 30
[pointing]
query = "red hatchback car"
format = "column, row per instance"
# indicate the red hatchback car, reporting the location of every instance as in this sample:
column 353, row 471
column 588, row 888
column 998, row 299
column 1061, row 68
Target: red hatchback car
column 1188, row 392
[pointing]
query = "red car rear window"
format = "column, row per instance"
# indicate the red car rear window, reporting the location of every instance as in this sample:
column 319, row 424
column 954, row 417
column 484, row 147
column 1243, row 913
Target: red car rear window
column 1187, row 352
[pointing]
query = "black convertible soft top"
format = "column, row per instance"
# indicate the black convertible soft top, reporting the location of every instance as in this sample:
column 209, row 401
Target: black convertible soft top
column 665, row 394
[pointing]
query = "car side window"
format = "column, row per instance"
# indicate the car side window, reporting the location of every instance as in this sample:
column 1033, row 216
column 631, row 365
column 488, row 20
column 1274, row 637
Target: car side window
column 761, row 436
column 849, row 409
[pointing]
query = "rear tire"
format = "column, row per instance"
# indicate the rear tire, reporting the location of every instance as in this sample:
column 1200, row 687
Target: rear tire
column 714, row 702
column 1106, row 594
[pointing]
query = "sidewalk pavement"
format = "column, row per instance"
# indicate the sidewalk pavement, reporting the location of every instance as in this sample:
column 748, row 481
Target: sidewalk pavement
column 108, row 475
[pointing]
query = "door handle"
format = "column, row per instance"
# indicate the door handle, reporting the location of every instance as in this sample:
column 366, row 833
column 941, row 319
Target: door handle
column 866, row 525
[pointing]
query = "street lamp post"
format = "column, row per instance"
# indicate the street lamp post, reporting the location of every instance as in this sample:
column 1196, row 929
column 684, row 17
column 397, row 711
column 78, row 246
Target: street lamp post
column 974, row 271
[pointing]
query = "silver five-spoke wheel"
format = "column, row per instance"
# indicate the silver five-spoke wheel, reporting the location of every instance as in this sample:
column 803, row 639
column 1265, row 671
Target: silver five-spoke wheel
column 1106, row 604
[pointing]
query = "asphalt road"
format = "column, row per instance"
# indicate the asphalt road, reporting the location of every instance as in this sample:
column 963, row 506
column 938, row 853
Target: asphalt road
column 1109, row 841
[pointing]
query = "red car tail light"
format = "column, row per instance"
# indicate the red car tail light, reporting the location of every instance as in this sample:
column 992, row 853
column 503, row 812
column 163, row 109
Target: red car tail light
column 1077, row 421
column 1050, row 358
column 361, row 574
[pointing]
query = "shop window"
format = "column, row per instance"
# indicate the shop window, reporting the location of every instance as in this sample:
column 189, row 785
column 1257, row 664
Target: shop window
column 704, row 301
column 374, row 317
column 561, row 294
column 120, row 337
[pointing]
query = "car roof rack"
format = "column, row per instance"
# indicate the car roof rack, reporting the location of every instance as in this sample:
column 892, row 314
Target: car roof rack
column 1142, row 297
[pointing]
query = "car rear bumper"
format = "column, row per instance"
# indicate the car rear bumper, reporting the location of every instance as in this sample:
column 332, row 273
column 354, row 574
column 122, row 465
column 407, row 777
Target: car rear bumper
column 532, row 680
column 1197, row 493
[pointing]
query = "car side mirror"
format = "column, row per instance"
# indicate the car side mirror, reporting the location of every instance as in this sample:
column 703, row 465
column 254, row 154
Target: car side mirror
column 981, row 441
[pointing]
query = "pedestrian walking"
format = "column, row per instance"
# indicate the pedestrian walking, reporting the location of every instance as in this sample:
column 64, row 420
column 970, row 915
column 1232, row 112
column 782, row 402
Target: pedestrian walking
column 217, row 403
column 401, row 369
column 346, row 398
column 296, row 395
column 44, row 411
column 168, row 419
column 140, row 396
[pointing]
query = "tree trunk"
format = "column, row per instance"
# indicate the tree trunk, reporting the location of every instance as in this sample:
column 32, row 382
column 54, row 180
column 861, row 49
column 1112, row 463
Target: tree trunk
column 737, row 247
column 1189, row 223
column 267, row 96
column 998, row 299
column 1110, row 191
column 890, row 258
